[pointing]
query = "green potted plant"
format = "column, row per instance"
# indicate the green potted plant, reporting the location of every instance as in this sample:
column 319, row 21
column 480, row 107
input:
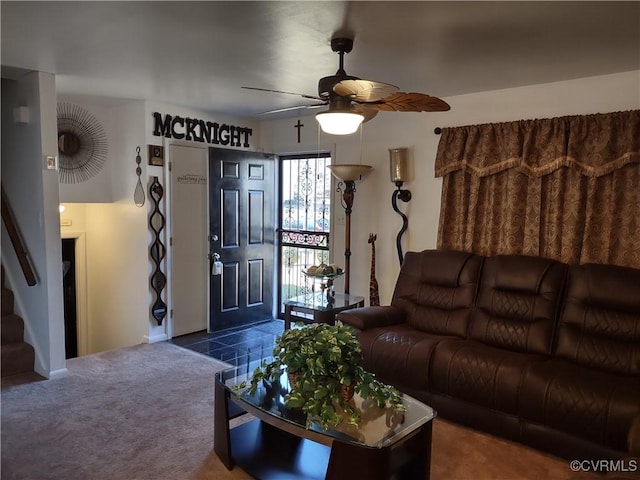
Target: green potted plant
column 324, row 364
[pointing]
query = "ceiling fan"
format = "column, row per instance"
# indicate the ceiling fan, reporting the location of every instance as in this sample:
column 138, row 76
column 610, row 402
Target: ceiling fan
column 349, row 96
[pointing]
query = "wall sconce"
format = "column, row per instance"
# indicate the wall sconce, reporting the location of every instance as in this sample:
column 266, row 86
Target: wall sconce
column 399, row 173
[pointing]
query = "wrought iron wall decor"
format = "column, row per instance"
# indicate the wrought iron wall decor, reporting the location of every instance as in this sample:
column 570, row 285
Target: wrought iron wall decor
column 138, row 194
column 82, row 144
column 157, row 251
column 399, row 172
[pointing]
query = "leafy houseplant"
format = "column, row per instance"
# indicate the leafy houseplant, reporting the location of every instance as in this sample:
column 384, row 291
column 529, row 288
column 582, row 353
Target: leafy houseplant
column 323, row 358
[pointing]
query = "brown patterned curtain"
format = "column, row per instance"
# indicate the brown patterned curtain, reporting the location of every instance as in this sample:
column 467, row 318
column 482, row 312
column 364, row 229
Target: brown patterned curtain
column 566, row 188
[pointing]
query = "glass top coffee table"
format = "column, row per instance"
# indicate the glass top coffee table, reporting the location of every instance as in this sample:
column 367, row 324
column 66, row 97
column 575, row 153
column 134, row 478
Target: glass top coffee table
column 276, row 444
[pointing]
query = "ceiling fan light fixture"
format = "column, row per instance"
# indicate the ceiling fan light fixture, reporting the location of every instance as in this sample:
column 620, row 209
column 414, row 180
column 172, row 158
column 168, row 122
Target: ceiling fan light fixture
column 339, row 123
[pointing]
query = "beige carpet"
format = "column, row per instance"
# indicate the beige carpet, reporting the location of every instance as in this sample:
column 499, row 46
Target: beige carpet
column 146, row 412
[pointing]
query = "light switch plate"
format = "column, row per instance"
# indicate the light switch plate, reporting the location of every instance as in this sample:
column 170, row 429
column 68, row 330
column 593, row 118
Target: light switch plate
column 51, row 162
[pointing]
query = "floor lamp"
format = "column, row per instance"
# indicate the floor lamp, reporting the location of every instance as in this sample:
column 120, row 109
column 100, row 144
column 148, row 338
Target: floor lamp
column 348, row 174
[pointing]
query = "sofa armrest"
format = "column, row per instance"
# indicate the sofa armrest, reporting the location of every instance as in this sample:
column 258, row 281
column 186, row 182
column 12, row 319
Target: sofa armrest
column 371, row 317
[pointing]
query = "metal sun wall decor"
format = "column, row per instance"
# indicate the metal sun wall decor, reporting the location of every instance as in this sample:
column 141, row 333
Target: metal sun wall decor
column 157, row 251
column 82, row 144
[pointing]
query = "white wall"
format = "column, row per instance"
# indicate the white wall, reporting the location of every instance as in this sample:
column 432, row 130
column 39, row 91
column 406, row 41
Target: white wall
column 101, row 210
column 33, row 193
column 372, row 211
column 115, row 231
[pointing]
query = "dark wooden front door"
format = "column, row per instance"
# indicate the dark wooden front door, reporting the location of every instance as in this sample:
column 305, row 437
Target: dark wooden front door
column 241, row 232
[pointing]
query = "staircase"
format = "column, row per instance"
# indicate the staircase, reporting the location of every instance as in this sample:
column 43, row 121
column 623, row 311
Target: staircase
column 17, row 355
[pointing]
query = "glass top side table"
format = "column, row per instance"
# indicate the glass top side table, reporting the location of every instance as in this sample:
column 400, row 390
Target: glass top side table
column 321, row 306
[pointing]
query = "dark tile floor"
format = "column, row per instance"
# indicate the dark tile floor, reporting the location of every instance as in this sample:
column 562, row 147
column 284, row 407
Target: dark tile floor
column 235, row 346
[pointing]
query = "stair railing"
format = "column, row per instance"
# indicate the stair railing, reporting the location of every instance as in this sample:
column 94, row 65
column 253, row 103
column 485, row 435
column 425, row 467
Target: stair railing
column 16, row 240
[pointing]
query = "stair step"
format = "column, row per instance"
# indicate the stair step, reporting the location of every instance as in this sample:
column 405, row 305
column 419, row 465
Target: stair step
column 7, row 301
column 16, row 358
column 12, row 329
column 21, row 379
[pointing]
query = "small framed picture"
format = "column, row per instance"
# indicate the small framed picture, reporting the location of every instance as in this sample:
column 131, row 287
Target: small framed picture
column 156, row 155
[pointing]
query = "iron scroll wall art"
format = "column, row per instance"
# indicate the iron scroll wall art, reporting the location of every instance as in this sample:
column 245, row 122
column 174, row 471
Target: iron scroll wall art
column 157, row 251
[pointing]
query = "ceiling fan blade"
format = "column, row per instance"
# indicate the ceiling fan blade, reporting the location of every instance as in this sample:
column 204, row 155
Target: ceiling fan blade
column 297, row 107
column 368, row 113
column 410, row 102
column 312, row 97
column 364, row 90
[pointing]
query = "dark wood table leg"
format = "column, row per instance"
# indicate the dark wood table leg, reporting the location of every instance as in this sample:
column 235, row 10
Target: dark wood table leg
column 221, row 436
column 354, row 461
column 324, row 316
column 426, row 434
column 418, row 450
column 287, row 317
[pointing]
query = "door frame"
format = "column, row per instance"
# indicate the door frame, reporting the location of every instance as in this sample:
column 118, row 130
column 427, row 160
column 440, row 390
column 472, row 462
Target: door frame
column 82, row 317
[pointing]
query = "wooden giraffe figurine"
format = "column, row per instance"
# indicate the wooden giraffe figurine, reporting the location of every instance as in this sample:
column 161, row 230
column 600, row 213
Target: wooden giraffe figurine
column 374, row 298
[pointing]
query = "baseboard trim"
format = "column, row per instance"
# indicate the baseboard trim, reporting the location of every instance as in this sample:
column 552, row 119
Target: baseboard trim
column 155, row 338
column 56, row 374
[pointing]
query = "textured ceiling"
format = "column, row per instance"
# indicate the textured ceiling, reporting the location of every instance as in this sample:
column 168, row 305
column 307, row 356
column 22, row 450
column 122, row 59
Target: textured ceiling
column 199, row 54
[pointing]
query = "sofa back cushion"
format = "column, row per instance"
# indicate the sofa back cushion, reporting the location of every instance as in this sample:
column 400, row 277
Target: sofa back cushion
column 600, row 322
column 518, row 300
column 436, row 290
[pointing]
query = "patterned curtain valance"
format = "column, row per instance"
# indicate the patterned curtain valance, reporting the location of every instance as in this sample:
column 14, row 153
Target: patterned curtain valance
column 592, row 145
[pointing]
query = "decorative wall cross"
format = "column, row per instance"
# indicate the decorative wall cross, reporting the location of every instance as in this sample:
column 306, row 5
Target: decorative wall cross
column 299, row 127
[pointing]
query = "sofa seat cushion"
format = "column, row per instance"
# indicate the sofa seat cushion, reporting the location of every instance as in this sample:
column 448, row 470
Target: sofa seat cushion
column 592, row 404
column 479, row 373
column 398, row 354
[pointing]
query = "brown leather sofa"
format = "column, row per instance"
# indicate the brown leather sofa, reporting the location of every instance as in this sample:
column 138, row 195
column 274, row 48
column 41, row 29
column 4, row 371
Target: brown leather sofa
column 527, row 348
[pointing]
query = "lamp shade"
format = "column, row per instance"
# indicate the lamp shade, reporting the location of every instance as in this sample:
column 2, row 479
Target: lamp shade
column 398, row 165
column 349, row 172
column 339, row 123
